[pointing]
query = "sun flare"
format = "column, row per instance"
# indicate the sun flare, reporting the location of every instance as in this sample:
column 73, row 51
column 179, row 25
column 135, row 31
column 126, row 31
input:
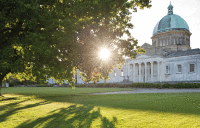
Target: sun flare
column 104, row 54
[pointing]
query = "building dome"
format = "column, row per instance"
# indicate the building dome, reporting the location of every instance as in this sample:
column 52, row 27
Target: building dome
column 170, row 22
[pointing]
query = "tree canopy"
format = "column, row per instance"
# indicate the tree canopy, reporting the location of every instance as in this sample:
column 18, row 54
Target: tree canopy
column 53, row 38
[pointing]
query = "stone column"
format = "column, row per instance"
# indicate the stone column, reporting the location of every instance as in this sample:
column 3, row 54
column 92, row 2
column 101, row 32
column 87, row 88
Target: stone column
column 128, row 71
column 145, row 70
column 134, row 72
column 151, row 71
column 131, row 72
column 162, row 71
column 124, row 71
column 158, row 71
column 139, row 72
column 127, row 67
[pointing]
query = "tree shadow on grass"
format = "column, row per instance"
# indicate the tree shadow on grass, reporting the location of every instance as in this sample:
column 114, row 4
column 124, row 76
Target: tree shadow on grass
column 8, row 98
column 12, row 108
column 184, row 103
column 70, row 117
column 11, row 105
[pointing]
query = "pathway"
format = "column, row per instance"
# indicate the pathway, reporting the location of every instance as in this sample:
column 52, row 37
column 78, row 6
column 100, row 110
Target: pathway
column 151, row 90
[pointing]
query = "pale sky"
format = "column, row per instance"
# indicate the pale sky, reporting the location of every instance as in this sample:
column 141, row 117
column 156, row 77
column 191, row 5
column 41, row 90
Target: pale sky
column 145, row 20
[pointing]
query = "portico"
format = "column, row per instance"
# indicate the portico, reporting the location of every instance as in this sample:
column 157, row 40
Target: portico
column 145, row 71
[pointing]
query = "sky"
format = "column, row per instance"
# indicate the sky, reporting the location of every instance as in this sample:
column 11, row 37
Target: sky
column 145, row 20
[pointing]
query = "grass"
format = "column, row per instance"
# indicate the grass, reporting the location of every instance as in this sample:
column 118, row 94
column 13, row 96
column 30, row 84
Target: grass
column 71, row 108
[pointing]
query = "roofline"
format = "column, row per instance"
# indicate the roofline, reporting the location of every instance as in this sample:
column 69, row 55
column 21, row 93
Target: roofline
column 155, row 31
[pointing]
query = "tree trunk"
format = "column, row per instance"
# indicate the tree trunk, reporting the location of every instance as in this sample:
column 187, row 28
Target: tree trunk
column 1, row 80
column 0, row 89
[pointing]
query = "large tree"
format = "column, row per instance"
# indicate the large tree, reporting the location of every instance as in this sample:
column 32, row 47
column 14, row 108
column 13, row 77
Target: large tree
column 39, row 36
column 56, row 36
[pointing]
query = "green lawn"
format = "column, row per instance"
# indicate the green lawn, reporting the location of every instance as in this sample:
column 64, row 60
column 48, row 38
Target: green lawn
column 71, row 108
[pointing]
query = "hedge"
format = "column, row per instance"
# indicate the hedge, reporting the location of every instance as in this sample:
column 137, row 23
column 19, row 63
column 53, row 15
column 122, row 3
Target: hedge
column 141, row 85
column 132, row 85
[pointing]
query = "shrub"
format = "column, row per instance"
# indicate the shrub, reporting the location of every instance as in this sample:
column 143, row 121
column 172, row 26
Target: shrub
column 166, row 85
column 123, row 86
column 198, row 85
column 179, row 85
column 157, row 85
column 151, row 85
column 140, row 85
column 134, row 84
column 148, row 85
column 184, row 85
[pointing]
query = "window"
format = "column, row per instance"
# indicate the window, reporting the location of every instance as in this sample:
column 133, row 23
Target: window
column 177, row 41
column 174, row 41
column 179, row 67
column 167, row 42
column 115, row 74
column 122, row 73
column 163, row 42
column 150, row 71
column 167, row 69
column 191, row 67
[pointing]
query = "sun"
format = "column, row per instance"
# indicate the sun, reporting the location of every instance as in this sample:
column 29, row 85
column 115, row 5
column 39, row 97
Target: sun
column 104, row 54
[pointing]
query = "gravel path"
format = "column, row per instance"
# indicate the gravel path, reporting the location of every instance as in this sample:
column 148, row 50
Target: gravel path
column 150, row 90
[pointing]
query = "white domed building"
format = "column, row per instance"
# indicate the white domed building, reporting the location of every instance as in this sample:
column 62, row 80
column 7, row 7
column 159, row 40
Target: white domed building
column 168, row 59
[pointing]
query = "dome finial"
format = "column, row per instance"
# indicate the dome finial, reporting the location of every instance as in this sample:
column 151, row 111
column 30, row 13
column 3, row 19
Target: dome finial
column 170, row 9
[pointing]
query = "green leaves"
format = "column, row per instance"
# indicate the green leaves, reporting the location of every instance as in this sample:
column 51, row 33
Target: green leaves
column 52, row 37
